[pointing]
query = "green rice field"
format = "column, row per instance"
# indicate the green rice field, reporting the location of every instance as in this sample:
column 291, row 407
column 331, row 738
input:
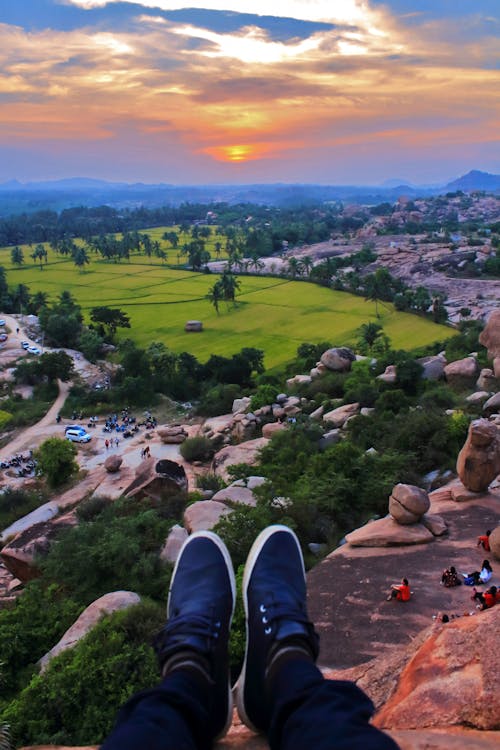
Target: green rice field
column 272, row 313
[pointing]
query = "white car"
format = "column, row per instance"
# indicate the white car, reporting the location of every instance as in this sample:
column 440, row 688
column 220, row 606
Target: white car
column 33, row 350
column 25, row 344
column 77, row 435
column 2, row 322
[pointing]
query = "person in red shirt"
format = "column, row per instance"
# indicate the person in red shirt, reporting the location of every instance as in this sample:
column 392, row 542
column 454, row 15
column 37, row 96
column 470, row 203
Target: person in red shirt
column 400, row 591
column 484, row 541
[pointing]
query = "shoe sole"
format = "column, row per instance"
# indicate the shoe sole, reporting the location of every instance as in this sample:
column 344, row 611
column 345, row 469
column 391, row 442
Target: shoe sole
column 249, row 566
column 230, row 571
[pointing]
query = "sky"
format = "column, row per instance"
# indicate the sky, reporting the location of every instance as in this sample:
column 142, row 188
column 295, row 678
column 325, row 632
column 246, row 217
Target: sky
column 230, row 91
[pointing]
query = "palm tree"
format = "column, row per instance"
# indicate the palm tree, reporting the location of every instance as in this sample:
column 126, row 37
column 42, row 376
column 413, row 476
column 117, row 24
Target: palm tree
column 80, row 257
column 307, row 264
column 369, row 333
column 229, row 284
column 293, row 267
column 39, row 253
column 17, row 256
column 215, row 295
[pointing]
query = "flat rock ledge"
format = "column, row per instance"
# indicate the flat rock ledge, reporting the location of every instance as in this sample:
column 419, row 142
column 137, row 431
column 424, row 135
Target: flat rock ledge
column 386, row 532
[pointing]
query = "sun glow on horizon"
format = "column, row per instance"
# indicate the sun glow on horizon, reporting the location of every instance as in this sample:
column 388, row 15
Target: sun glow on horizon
column 236, row 153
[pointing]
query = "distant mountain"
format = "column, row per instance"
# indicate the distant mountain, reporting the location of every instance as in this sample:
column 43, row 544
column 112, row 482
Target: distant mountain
column 475, row 180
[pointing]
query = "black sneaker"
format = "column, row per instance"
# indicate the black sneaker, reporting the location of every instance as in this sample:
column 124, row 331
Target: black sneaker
column 274, row 595
column 199, row 612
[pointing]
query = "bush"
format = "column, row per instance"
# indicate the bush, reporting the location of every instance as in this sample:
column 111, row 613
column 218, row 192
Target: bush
column 56, row 460
column 265, row 394
column 196, row 449
column 210, row 481
column 16, row 503
column 76, row 700
column 218, row 400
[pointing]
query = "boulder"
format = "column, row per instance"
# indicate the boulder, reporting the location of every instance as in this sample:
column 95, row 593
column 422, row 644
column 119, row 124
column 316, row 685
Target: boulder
column 496, row 367
column 492, row 405
column 453, row 678
column 251, row 482
column 460, row 494
column 495, row 543
column 113, row 485
column 172, row 547
column 270, row 428
column 244, row 453
column 386, row 532
column 112, row 463
column 298, row 380
column 240, row 405
column 204, row 515
column 236, row 493
column 89, row 618
column 172, row 435
column 338, row 359
column 338, row 417
column 490, row 335
column 22, row 552
column 317, row 414
column 407, row 503
column 487, row 380
column 193, row 326
column 478, row 463
column 433, row 367
column 478, row 397
column 462, row 373
column 436, row 524
column 389, row 375
column 157, row 479
column 332, row 437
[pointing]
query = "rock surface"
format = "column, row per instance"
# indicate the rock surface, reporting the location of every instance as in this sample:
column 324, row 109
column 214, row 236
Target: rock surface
column 338, row 359
column 339, row 416
column 204, row 515
column 386, row 532
column 90, row 616
column 157, row 479
column 172, row 435
column 478, row 462
column 495, row 543
column 172, row 547
column 490, row 335
column 112, row 463
column 246, row 453
column 270, row 428
column 236, row 493
column 462, row 373
column 433, row 367
column 407, row 503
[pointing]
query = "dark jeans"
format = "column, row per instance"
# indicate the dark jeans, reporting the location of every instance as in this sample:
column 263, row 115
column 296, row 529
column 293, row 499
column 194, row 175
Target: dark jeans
column 308, row 712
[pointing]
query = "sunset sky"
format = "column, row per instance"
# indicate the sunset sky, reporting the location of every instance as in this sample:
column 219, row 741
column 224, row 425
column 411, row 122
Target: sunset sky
column 325, row 91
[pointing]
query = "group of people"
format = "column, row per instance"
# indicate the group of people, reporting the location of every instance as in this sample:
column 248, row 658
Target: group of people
column 486, row 599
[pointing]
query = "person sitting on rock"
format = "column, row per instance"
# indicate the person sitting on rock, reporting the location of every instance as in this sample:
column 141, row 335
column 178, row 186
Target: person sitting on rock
column 450, row 577
column 488, row 599
column 479, row 576
column 400, row 591
column 484, row 541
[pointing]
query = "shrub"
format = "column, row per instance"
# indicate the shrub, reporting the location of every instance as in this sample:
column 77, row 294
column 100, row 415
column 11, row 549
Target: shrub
column 16, row 503
column 265, row 394
column 56, row 460
column 218, row 400
column 196, row 449
column 5, row 418
column 210, row 481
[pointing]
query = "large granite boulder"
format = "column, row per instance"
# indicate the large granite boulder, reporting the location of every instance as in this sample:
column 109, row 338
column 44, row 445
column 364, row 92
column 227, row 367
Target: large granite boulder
column 112, row 463
column 270, row 428
column 453, row 679
column 244, row 453
column 173, row 545
column 407, row 503
column 495, row 543
column 157, row 479
column 204, row 515
column 298, row 380
column 89, row 618
column 487, row 381
column 462, row 373
column 389, row 375
column 338, row 359
column 236, row 493
column 172, row 435
column 478, row 463
column 492, row 405
column 241, row 405
column 339, row 416
column 386, row 532
column 433, row 367
column 490, row 335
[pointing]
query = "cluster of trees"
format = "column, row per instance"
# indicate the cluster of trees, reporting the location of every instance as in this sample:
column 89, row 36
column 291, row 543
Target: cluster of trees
column 224, row 290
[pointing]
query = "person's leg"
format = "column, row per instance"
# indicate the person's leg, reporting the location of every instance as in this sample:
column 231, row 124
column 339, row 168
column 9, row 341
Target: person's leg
column 280, row 691
column 192, row 706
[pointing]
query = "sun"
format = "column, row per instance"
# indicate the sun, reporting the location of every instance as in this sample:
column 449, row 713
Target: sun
column 238, row 153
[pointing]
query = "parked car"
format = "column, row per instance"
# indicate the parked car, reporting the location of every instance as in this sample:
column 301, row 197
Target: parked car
column 2, row 322
column 25, row 344
column 3, row 337
column 77, row 435
column 33, row 350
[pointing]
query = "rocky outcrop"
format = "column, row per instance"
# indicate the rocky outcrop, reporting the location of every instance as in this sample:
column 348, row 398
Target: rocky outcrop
column 407, row 503
column 452, row 679
column 338, row 359
column 245, row 453
column 339, row 416
column 386, row 532
column 478, row 463
column 433, row 367
column 172, row 547
column 490, row 335
column 157, row 479
column 89, row 618
column 172, row 435
column 204, row 515
column 112, row 463
column 462, row 373
column 240, row 405
column 270, row 428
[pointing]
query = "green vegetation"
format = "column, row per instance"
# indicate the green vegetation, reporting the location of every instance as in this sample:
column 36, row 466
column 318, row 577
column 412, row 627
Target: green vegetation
column 56, row 460
column 16, row 503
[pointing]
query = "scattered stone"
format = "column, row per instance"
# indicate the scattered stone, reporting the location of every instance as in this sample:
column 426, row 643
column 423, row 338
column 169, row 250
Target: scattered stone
column 389, row 375
column 204, row 515
column 433, row 367
column 338, row 359
column 173, row 435
column 436, row 525
column 339, row 416
column 112, row 463
column 407, row 503
column 193, row 326
column 478, row 462
column 490, row 335
column 281, row 398
column 173, row 545
column 240, row 405
column 269, row 429
column 477, row 398
column 14, row 585
column 462, row 373
column 386, row 532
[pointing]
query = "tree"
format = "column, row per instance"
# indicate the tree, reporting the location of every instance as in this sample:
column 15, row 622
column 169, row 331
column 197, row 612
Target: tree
column 378, row 286
column 80, row 257
column 230, row 285
column 39, row 253
column 369, row 333
column 17, row 256
column 216, row 295
column 90, row 344
column 293, row 267
column 56, row 365
column 56, row 460
column 110, row 318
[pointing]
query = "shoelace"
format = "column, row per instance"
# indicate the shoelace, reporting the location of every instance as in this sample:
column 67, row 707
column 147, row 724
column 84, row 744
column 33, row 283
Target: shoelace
column 178, row 628
column 273, row 613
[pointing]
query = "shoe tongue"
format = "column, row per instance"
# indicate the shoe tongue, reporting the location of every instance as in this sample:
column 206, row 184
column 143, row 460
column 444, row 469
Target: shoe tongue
column 289, row 628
